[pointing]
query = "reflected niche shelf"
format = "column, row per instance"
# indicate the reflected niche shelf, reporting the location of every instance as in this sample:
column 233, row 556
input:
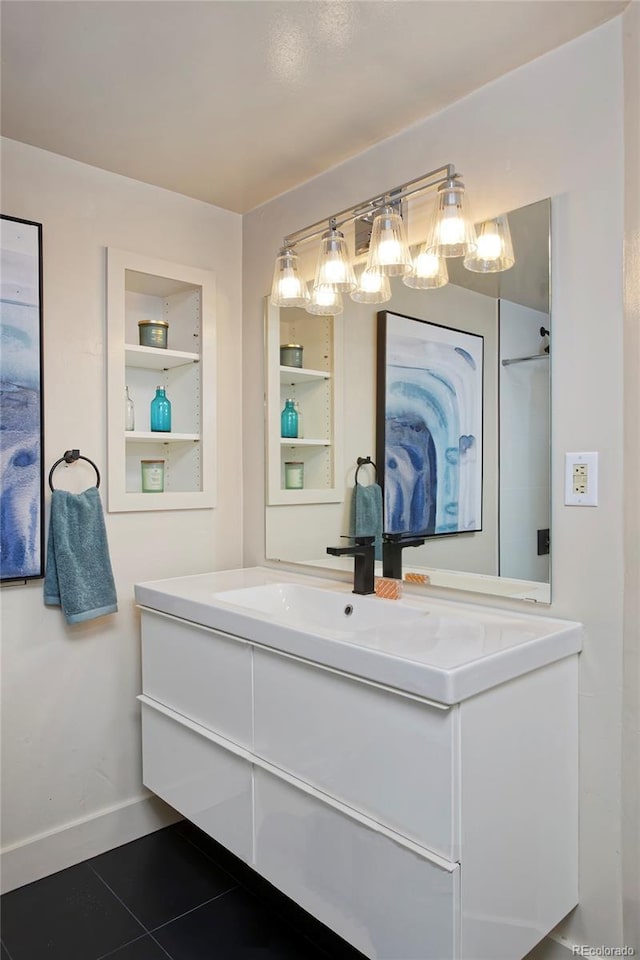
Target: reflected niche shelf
column 145, row 288
column 316, row 387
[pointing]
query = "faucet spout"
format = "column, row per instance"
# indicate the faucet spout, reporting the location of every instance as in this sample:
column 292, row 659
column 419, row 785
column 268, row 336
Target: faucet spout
column 363, row 552
column 392, row 547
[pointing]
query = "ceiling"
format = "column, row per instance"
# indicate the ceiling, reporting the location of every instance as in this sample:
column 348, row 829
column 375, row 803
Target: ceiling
column 236, row 101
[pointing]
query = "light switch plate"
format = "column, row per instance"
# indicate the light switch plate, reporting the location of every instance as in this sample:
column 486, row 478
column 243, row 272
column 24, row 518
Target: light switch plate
column 581, row 479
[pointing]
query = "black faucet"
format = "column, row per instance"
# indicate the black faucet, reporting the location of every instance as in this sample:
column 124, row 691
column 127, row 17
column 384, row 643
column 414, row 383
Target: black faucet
column 392, row 546
column 364, row 553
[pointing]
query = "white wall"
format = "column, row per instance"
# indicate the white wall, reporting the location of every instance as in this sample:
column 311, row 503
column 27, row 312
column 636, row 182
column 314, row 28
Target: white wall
column 71, row 747
column 524, row 442
column 631, row 672
column 552, row 128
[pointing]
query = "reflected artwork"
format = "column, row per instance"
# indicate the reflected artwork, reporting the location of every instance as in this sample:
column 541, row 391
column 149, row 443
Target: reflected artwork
column 21, row 534
column 429, row 426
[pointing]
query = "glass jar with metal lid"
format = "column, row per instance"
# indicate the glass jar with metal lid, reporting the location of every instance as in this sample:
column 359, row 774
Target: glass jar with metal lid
column 294, row 475
column 152, row 476
column 291, row 355
column 153, row 333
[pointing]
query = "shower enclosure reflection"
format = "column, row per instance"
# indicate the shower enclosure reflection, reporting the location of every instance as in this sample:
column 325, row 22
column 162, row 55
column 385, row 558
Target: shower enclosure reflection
column 510, row 554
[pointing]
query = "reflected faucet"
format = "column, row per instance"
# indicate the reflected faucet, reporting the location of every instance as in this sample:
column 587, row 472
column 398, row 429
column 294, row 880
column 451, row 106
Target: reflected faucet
column 364, row 553
column 392, row 546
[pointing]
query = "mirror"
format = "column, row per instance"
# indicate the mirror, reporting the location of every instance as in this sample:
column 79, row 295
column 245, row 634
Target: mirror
column 509, row 555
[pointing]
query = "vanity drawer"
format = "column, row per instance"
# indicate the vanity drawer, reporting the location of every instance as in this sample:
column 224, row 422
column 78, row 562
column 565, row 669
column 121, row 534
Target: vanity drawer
column 198, row 672
column 206, row 783
column 380, row 896
column 390, row 756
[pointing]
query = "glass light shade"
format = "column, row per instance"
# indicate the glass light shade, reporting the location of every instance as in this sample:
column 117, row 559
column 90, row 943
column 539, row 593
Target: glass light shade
column 494, row 249
column 452, row 234
column 373, row 287
column 333, row 266
column 325, row 301
column 428, row 271
column 288, row 289
column 388, row 248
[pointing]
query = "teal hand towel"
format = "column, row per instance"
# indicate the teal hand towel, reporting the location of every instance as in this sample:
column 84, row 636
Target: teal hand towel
column 366, row 514
column 79, row 577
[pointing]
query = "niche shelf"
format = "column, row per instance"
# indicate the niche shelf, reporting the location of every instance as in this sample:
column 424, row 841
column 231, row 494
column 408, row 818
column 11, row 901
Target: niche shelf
column 139, row 436
column 147, row 358
column 145, row 288
column 300, row 442
column 316, row 387
column 293, row 375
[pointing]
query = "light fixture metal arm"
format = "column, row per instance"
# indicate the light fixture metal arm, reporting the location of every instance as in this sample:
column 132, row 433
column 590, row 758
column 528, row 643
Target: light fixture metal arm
column 365, row 207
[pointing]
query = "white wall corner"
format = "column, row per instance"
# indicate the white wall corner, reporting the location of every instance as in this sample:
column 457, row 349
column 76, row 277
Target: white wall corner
column 47, row 853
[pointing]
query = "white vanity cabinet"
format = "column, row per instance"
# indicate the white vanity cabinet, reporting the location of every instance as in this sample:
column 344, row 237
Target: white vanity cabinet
column 416, row 830
column 392, row 757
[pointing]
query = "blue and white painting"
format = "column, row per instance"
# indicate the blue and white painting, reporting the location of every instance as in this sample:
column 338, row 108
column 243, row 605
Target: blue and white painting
column 21, row 541
column 432, row 377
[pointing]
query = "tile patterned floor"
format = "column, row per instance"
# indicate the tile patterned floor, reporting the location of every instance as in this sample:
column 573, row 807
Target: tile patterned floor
column 173, row 894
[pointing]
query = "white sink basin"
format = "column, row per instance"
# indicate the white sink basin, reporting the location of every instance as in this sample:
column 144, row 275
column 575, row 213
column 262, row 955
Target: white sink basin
column 442, row 650
column 311, row 608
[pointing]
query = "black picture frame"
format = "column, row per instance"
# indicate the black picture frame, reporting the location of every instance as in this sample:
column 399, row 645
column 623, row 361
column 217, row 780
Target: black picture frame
column 21, row 401
column 429, row 426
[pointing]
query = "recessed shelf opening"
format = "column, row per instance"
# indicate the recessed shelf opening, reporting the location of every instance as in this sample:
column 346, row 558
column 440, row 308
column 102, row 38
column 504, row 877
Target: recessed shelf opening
column 142, row 288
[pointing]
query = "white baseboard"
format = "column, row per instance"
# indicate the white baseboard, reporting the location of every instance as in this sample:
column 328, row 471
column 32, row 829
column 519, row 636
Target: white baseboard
column 55, row 850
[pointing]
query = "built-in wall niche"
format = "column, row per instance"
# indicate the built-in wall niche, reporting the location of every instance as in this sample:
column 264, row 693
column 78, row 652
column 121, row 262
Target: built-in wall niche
column 316, row 386
column 144, row 288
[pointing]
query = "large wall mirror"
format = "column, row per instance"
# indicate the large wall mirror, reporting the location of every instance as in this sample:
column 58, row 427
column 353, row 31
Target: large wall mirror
column 510, row 554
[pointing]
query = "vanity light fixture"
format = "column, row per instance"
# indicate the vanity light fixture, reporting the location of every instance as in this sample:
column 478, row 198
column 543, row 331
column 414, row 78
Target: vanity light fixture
column 494, row 249
column 451, row 234
column 428, row 271
column 333, row 262
column 373, row 287
column 388, row 248
column 325, row 301
column 288, row 289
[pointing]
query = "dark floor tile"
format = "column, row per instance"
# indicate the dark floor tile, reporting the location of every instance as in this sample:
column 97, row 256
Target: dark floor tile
column 161, row 876
column 3, row 952
column 68, row 915
column 235, row 926
column 211, row 849
column 143, row 949
column 289, row 912
column 303, row 924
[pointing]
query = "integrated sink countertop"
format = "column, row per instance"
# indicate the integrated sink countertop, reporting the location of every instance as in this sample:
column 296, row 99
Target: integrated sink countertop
column 442, row 650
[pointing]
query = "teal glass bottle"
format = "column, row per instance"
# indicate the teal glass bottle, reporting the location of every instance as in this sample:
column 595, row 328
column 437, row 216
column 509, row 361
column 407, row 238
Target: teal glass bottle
column 289, row 420
column 161, row 412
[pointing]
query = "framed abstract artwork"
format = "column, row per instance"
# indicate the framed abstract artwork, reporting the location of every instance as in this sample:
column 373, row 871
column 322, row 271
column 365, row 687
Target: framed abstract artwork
column 429, row 426
column 21, row 420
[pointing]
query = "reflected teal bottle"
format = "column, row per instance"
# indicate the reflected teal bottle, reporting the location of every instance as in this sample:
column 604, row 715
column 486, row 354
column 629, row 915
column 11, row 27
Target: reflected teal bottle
column 161, row 412
column 289, row 420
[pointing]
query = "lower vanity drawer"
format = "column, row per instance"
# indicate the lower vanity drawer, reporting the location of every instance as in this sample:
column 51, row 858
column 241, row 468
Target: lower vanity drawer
column 198, row 672
column 390, row 756
column 206, row 783
column 379, row 895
